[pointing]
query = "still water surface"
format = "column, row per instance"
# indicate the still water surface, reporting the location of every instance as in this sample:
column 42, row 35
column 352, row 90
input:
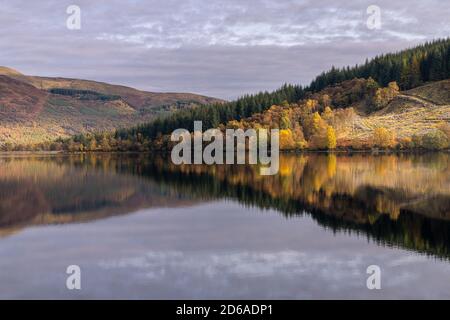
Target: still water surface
column 143, row 228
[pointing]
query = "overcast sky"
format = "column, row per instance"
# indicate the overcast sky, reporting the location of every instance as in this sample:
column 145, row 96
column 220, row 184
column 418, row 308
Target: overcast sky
column 219, row 48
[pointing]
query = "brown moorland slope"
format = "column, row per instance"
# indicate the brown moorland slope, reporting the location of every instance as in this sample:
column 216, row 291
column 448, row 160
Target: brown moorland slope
column 137, row 99
column 37, row 109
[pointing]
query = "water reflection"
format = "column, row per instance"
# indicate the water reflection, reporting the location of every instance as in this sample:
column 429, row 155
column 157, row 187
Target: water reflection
column 397, row 200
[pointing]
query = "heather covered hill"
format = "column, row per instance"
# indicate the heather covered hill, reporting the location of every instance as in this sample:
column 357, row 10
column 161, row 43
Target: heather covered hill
column 19, row 100
column 41, row 109
column 137, row 99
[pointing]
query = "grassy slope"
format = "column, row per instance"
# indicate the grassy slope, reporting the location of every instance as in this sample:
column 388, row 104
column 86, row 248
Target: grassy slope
column 415, row 111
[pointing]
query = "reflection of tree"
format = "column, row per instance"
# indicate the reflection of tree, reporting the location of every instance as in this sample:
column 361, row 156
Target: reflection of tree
column 395, row 200
column 401, row 200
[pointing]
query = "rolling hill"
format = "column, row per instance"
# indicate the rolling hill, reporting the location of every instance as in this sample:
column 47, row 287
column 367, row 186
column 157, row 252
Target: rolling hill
column 37, row 109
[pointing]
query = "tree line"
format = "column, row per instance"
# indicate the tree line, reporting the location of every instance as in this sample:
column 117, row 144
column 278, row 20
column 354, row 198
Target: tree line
column 409, row 68
column 215, row 114
column 84, row 94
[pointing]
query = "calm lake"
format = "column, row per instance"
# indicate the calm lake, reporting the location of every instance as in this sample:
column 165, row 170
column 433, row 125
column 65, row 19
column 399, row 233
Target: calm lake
column 141, row 227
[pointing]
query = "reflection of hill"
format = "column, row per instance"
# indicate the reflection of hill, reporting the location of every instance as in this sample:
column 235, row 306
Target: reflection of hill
column 395, row 200
column 73, row 189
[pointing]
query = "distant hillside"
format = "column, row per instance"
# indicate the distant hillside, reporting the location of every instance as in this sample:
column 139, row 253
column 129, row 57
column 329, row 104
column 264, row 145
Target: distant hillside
column 37, row 109
column 9, row 72
column 138, row 100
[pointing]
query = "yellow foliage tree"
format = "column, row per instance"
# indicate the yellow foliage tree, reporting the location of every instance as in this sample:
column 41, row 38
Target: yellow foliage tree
column 286, row 139
column 299, row 138
column 331, row 138
column 92, row 145
column 317, row 121
column 104, row 145
column 325, row 100
column 383, row 138
column 328, row 115
column 311, row 104
column 285, row 122
column 384, row 95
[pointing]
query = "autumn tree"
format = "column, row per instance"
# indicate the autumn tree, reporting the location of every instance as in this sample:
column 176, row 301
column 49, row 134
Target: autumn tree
column 92, row 144
column 331, row 138
column 325, row 100
column 383, row 138
column 317, row 122
column 435, row 140
column 445, row 128
column 328, row 115
column 318, row 139
column 285, row 122
column 383, row 96
column 104, row 144
column 286, row 139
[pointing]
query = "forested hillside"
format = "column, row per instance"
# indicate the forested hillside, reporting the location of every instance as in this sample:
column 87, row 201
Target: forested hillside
column 408, row 68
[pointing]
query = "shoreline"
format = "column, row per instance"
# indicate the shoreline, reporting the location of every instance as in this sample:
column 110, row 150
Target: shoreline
column 339, row 152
